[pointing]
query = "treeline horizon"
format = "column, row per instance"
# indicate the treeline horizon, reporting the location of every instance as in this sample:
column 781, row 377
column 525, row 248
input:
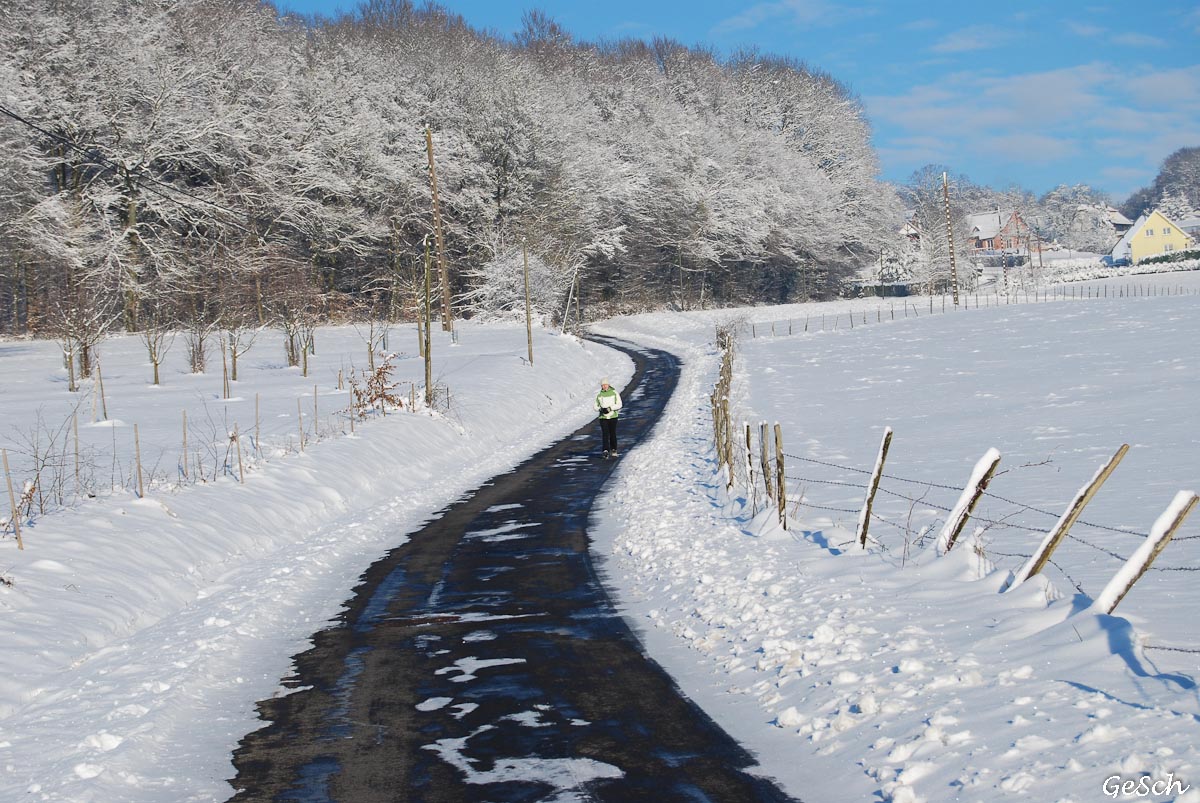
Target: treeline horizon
column 190, row 163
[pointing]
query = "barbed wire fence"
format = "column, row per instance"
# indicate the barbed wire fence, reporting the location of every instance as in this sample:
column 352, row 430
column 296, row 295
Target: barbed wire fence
column 902, row 307
column 933, row 506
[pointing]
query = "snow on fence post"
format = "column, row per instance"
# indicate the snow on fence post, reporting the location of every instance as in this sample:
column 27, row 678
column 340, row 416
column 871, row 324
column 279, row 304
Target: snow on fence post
column 716, row 422
column 864, row 517
column 981, row 475
column 12, row 501
column 1042, row 554
column 764, row 462
column 728, row 441
column 750, row 471
column 780, row 483
column 1142, row 558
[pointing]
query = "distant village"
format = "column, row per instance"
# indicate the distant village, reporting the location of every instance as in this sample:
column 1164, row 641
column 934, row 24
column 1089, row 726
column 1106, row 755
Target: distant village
column 991, row 243
column 1005, row 237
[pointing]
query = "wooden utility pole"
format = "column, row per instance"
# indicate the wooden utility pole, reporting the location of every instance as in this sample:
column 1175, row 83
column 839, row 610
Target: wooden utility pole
column 443, row 272
column 428, row 323
column 950, row 237
column 528, row 315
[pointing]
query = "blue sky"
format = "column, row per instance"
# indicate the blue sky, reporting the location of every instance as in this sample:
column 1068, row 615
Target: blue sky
column 1036, row 93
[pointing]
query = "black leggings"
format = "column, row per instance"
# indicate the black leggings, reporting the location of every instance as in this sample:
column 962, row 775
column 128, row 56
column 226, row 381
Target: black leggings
column 608, row 431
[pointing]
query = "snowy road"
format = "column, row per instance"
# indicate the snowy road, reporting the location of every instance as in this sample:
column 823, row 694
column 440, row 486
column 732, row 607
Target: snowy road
column 483, row 660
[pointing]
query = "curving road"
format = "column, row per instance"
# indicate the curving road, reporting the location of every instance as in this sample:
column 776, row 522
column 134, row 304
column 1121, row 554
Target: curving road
column 483, row 661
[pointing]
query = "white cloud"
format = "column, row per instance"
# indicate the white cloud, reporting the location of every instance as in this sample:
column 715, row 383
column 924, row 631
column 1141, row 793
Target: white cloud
column 802, row 13
column 1179, row 89
column 1130, row 119
column 1192, row 18
column 1029, row 147
column 1084, row 29
column 975, row 37
column 1137, row 40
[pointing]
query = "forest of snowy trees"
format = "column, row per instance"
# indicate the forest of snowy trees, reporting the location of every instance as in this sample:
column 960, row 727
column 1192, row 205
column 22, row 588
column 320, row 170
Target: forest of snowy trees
column 210, row 164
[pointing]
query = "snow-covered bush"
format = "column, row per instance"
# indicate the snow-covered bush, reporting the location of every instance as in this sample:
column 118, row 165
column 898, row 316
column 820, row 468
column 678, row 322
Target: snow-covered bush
column 499, row 285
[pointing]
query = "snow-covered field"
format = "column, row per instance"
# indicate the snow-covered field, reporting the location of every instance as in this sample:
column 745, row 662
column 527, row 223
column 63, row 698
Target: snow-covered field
column 894, row 674
column 138, row 633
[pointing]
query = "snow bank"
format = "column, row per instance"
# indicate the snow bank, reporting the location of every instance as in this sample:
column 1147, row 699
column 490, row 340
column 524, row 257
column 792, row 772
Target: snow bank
column 910, row 667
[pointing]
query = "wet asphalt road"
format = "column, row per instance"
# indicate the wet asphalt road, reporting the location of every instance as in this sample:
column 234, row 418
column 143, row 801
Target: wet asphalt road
column 483, row 661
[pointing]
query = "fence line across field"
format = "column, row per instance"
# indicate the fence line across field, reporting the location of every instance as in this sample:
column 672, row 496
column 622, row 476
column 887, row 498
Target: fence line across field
column 736, row 457
column 852, row 318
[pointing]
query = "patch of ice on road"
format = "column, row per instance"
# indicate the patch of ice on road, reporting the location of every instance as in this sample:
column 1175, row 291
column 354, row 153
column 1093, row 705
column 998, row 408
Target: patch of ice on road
column 563, row 774
column 434, row 703
column 479, row 635
column 499, row 533
column 468, row 667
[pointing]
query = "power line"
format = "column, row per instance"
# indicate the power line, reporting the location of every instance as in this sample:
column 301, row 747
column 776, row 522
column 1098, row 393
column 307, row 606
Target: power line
column 108, row 164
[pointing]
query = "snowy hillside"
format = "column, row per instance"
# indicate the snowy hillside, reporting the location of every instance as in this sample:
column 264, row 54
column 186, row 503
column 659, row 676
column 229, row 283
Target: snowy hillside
column 893, row 672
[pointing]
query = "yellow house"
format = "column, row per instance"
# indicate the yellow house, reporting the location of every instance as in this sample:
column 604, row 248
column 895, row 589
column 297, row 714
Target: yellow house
column 1153, row 235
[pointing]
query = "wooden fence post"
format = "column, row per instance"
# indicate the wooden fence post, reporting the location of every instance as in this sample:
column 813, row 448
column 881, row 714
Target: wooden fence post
column 185, row 452
column 241, row 471
column 864, row 517
column 12, row 501
column 300, row 423
column 100, row 384
column 717, row 430
column 780, row 479
column 749, row 460
column 1042, row 554
column 974, row 489
column 763, row 461
column 1141, row 560
column 75, row 428
column 316, row 414
column 137, row 449
column 728, row 441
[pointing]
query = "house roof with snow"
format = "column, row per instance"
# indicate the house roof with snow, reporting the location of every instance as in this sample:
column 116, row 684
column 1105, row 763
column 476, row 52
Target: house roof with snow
column 985, row 225
column 1124, row 247
column 1116, row 218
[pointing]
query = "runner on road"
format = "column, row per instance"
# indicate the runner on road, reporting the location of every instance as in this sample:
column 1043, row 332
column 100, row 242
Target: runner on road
column 608, row 402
